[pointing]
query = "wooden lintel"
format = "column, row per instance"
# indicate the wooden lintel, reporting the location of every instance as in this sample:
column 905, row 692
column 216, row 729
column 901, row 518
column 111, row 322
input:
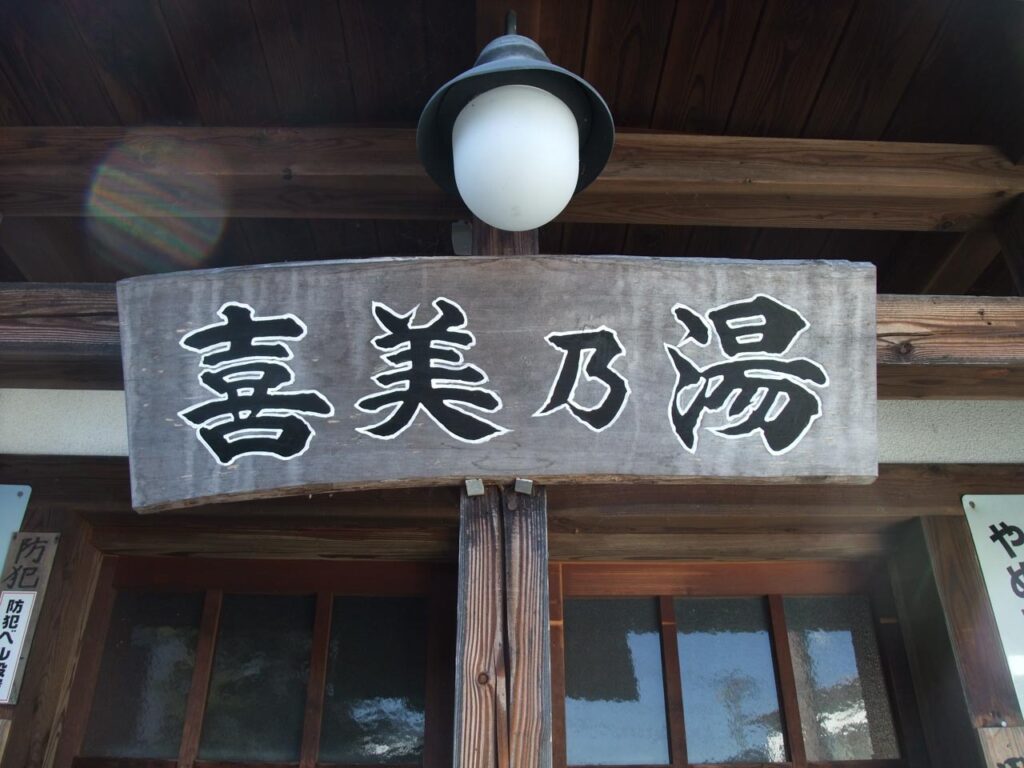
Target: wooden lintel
column 423, row 523
column 374, row 173
column 66, row 336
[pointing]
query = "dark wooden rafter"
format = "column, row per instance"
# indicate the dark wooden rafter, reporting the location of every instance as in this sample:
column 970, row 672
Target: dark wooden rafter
column 1010, row 230
column 652, row 178
column 67, row 336
column 964, row 263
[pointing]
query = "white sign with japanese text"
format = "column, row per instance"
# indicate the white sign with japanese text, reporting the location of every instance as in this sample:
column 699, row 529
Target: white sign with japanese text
column 15, row 617
column 27, row 569
column 302, row 378
column 997, row 527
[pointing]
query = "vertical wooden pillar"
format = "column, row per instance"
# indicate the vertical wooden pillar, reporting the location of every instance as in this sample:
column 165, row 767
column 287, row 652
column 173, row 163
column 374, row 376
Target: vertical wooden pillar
column 960, row 673
column 503, row 656
column 528, row 628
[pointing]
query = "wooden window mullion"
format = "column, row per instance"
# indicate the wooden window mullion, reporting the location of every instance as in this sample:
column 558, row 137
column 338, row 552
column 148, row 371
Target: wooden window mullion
column 313, row 717
column 673, row 681
column 787, row 682
column 555, row 619
column 440, row 706
column 195, row 708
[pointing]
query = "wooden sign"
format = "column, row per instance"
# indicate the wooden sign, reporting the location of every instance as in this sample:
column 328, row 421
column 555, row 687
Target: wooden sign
column 302, row 378
column 1003, row 747
column 22, row 588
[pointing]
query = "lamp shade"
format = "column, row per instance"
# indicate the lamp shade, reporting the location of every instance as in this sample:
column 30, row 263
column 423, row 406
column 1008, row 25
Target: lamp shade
column 514, row 60
column 515, row 151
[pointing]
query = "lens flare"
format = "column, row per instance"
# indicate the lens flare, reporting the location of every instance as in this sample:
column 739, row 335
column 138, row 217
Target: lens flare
column 155, row 205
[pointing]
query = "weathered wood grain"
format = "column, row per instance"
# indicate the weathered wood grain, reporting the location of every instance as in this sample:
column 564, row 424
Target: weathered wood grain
column 972, row 625
column 529, row 639
column 784, row 72
column 1001, row 746
column 480, row 715
column 59, row 336
column 975, row 342
column 722, row 579
column 736, row 546
column 787, row 680
column 651, row 178
column 195, row 706
column 945, row 714
column 98, row 489
column 80, row 676
column 633, row 297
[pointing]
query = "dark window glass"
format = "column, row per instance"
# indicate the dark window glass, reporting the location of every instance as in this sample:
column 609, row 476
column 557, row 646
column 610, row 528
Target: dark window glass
column 145, row 674
column 844, row 705
column 257, row 692
column 729, row 692
column 374, row 704
column 614, row 685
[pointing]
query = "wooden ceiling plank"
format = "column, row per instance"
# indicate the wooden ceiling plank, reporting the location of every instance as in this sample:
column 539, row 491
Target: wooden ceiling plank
column 723, row 242
column 875, row 61
column 974, row 63
column 12, row 111
column 652, row 178
column 964, row 263
column 46, row 249
column 136, row 61
column 625, row 58
column 381, row 40
column 272, row 241
column 230, row 82
column 626, row 46
column 792, row 244
column 645, row 240
column 913, row 257
column 335, row 239
column 490, row 19
column 307, row 60
column 563, row 33
column 704, row 62
column 994, row 281
column 1010, row 231
column 788, row 61
column 928, row 346
column 448, row 28
column 414, row 238
column 49, row 66
column 9, row 272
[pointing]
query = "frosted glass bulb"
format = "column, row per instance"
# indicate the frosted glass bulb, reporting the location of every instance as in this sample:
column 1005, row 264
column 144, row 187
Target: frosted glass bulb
column 516, row 155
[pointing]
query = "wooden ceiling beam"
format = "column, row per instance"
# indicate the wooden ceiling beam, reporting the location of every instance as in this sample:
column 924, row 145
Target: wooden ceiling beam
column 373, row 173
column 66, row 336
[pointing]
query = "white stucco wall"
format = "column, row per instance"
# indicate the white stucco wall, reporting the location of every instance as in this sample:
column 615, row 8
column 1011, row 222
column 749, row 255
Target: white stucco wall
column 89, row 423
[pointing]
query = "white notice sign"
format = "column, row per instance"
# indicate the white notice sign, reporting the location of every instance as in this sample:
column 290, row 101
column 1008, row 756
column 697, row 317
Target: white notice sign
column 997, row 527
column 15, row 613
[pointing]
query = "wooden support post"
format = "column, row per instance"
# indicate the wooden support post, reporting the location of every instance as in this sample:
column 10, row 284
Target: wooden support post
column 960, row 673
column 480, row 698
column 527, row 628
column 503, row 651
